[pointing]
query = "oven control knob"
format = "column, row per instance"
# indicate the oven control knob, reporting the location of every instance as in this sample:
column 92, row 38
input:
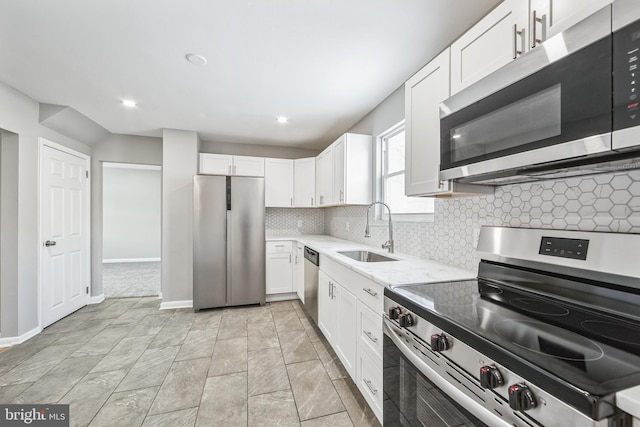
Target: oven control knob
column 521, row 398
column 394, row 312
column 439, row 342
column 490, row 377
column 405, row 320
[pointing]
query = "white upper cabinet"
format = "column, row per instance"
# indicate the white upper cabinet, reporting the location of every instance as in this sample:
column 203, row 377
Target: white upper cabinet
column 216, row 164
column 424, row 92
column 550, row 17
column 353, row 170
column 278, row 183
column 497, row 39
column 324, row 177
column 304, row 185
column 223, row 164
column 248, row 166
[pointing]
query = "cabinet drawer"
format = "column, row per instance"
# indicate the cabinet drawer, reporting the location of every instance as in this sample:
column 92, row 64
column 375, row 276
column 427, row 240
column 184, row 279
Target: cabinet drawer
column 370, row 381
column 370, row 329
column 279, row 247
column 372, row 295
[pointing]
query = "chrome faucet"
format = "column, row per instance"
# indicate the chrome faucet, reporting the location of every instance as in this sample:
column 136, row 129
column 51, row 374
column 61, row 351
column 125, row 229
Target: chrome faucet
column 389, row 243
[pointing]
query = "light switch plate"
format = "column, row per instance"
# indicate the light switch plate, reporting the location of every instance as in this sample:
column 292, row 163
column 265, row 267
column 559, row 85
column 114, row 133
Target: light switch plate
column 299, row 223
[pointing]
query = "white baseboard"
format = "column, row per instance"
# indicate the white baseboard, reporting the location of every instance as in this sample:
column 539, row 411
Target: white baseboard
column 281, row 297
column 116, row 260
column 9, row 341
column 169, row 305
column 97, row 299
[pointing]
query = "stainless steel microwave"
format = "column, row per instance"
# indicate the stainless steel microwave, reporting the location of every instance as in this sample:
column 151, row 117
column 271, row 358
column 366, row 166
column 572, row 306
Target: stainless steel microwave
column 556, row 111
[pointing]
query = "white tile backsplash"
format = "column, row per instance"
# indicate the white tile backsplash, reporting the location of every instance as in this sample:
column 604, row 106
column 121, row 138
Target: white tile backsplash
column 284, row 221
column 604, row 202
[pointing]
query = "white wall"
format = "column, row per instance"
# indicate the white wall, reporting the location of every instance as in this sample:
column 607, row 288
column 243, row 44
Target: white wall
column 131, row 217
column 180, row 162
column 256, row 150
column 19, row 115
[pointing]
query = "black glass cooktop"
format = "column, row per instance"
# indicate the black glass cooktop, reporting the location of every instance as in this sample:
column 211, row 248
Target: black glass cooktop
column 594, row 350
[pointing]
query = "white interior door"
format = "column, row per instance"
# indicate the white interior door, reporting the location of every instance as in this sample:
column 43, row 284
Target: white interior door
column 63, row 216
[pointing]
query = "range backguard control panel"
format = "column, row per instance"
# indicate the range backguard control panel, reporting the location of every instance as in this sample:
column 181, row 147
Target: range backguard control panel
column 564, row 248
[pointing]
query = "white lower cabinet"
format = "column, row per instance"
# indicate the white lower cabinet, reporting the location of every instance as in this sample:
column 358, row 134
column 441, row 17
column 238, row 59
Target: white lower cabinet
column 350, row 316
column 279, row 267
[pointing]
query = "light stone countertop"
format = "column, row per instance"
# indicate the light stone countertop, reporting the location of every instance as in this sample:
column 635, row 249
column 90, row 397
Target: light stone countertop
column 406, row 270
column 629, row 401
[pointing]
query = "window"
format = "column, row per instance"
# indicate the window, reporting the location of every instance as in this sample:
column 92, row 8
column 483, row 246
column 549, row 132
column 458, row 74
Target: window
column 392, row 178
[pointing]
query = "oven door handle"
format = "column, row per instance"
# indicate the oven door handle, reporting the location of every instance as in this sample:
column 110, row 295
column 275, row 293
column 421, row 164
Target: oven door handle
column 394, row 333
column 391, row 331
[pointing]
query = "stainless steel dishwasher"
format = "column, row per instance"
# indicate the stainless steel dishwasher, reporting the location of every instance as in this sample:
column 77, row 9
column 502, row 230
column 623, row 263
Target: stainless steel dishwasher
column 311, row 266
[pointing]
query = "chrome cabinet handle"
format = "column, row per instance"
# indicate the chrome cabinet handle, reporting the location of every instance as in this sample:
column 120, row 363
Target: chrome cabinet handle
column 341, row 195
column 289, row 258
column 235, row 169
column 370, row 386
column 229, row 169
column 517, row 33
column 279, row 246
column 329, row 289
column 292, row 201
column 312, row 201
column 538, row 20
column 370, row 292
column 50, row 243
column 370, row 336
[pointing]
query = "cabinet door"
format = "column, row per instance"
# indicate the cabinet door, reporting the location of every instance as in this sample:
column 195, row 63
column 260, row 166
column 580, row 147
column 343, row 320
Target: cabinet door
column 279, row 273
column 298, row 268
column 354, row 172
column 328, row 197
column 320, row 178
column 423, row 94
column 550, row 17
column 216, row 164
column 278, row 183
column 339, row 174
column 496, row 40
column 326, row 307
column 304, row 182
column 347, row 328
column 248, row 166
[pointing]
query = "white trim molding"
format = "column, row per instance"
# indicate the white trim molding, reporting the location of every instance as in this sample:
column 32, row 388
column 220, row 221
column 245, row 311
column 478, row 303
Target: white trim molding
column 117, row 260
column 130, row 166
column 169, row 305
column 96, row 299
column 281, row 297
column 10, row 341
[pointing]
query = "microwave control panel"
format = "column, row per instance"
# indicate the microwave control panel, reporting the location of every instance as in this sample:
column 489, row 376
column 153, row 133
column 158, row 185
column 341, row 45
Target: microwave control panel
column 626, row 63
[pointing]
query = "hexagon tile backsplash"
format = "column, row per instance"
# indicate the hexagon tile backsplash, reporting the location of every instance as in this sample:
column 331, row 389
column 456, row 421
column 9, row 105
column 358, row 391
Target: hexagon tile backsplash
column 603, row 202
column 284, row 221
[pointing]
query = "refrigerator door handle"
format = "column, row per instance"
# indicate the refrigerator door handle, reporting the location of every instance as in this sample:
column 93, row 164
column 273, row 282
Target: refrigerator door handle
column 229, row 258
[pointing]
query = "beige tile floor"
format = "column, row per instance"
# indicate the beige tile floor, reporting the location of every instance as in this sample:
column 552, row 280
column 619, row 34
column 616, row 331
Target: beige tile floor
column 124, row 362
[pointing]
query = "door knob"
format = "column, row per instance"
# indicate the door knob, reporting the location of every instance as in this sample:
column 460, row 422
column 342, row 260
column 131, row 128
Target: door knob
column 50, row 243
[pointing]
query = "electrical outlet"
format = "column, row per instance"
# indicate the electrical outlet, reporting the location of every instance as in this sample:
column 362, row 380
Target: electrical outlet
column 475, row 236
column 299, row 223
column 347, row 225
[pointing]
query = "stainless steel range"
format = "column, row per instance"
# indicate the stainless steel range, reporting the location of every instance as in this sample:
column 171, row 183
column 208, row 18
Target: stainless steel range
column 546, row 335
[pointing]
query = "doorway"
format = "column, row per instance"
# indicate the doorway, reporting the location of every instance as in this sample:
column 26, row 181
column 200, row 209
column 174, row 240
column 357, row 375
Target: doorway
column 131, row 230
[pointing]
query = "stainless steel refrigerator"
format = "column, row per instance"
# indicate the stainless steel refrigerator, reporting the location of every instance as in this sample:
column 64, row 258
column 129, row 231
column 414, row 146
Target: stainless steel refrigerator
column 228, row 241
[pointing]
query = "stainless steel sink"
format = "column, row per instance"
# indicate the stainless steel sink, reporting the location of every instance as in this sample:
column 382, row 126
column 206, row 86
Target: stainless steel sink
column 366, row 256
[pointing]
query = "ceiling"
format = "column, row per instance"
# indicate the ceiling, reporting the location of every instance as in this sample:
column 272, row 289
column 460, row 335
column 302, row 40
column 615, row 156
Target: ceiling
column 322, row 63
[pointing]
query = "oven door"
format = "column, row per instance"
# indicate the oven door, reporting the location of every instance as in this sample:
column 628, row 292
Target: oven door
column 552, row 104
column 411, row 399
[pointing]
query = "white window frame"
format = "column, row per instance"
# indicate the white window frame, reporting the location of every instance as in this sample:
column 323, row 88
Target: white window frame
column 381, row 212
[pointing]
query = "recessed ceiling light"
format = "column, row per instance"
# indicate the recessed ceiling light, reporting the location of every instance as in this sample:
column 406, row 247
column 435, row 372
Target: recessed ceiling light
column 282, row 119
column 128, row 103
column 196, row 59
